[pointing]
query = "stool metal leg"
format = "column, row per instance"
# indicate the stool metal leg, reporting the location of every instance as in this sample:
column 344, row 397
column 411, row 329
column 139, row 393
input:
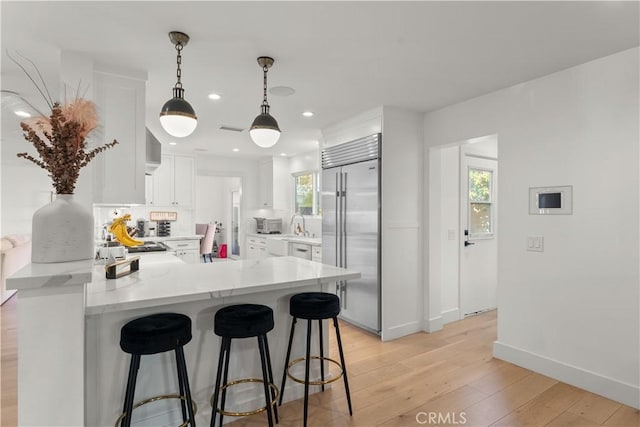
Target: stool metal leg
column 306, row 373
column 183, row 406
column 344, row 366
column 224, row 378
column 321, row 352
column 265, row 379
column 286, row 363
column 183, row 379
column 270, row 371
column 131, row 388
column 216, row 391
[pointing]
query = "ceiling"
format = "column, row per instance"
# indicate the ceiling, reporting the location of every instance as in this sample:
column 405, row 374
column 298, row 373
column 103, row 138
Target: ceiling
column 342, row 58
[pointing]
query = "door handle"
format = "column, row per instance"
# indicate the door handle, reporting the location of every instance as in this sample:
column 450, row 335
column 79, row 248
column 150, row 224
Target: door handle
column 466, row 241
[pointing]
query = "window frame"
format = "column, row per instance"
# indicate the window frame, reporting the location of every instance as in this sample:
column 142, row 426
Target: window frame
column 315, row 178
column 490, row 203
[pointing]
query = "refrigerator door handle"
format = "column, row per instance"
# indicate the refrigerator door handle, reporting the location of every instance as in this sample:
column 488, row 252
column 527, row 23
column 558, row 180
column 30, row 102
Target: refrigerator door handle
column 338, row 221
column 344, row 291
column 344, row 221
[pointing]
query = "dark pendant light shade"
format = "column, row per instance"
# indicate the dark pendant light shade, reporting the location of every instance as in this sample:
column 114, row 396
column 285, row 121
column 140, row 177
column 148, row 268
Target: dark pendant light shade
column 177, row 117
column 264, row 130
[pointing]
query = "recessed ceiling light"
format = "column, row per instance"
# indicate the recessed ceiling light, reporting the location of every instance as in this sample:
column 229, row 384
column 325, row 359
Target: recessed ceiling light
column 283, row 154
column 235, row 150
column 21, row 113
column 308, row 114
column 282, row 91
column 214, row 96
column 173, row 143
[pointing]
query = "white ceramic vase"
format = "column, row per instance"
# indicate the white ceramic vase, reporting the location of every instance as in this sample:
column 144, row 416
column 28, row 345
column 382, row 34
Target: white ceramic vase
column 62, row 231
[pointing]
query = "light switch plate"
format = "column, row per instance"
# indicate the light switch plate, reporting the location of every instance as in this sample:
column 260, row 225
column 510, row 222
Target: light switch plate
column 535, row 243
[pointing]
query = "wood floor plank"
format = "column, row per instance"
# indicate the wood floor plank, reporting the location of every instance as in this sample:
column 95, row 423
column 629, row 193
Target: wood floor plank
column 500, row 404
column 594, row 408
column 625, row 416
column 568, row 419
column 453, row 402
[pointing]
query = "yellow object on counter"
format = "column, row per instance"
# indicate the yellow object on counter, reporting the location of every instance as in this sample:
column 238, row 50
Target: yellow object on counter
column 119, row 230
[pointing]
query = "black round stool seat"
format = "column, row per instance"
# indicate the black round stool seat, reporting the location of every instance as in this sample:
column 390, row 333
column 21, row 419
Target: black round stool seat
column 243, row 321
column 156, row 333
column 314, row 305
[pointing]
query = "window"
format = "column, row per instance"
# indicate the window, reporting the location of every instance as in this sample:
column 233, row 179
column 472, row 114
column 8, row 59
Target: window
column 480, row 202
column 306, row 193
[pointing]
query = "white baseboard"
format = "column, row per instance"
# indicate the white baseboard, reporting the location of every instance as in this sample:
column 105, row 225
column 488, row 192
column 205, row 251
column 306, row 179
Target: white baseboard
column 433, row 325
column 450, row 316
column 619, row 391
column 400, row 331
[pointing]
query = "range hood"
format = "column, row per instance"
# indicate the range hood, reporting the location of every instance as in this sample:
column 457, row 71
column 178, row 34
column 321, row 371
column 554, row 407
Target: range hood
column 154, row 153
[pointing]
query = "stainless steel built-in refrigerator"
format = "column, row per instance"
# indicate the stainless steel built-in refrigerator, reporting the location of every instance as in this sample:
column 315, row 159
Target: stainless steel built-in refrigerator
column 351, row 225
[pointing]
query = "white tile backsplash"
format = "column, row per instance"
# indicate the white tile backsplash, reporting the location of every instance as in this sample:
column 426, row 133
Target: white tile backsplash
column 184, row 225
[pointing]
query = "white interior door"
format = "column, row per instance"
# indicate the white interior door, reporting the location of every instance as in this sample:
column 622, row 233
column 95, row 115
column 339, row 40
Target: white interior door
column 478, row 223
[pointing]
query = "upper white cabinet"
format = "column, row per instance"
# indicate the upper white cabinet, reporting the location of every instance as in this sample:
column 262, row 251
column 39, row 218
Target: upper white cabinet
column 173, row 182
column 119, row 171
column 275, row 183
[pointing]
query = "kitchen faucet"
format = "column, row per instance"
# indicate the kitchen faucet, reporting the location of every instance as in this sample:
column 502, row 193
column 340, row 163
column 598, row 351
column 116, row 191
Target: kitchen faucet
column 303, row 223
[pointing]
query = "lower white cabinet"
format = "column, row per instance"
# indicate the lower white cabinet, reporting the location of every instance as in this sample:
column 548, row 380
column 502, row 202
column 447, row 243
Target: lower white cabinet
column 256, row 247
column 316, row 253
column 187, row 250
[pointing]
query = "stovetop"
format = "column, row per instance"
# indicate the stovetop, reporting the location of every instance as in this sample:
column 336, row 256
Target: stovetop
column 148, row 247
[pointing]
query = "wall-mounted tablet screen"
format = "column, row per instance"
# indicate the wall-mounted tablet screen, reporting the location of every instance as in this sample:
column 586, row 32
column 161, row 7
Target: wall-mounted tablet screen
column 551, row 200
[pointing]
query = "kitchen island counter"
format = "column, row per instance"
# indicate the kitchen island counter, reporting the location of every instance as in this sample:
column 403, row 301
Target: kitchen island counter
column 163, row 279
column 69, row 332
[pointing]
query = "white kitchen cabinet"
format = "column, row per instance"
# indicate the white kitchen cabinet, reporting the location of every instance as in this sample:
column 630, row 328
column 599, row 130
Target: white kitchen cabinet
column 316, row 253
column 187, row 250
column 148, row 189
column 275, row 183
column 119, row 171
column 256, row 247
column 173, row 182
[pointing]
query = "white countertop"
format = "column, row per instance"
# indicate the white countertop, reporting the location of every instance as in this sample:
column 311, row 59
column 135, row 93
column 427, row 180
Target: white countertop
column 33, row 276
column 163, row 279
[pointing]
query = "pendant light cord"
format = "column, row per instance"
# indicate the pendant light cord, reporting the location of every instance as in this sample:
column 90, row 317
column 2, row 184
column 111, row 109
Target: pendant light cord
column 264, row 99
column 179, row 62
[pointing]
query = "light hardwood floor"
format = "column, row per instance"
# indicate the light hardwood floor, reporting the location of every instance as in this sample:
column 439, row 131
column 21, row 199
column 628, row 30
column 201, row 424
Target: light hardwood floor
column 448, row 374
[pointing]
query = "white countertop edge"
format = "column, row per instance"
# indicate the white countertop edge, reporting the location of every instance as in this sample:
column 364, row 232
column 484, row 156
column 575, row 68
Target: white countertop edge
column 217, row 294
column 34, row 275
column 307, row 240
column 154, row 284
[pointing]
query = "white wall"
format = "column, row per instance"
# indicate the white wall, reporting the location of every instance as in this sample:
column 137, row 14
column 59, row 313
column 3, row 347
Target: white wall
column 571, row 312
column 444, row 214
column 210, row 199
column 402, row 250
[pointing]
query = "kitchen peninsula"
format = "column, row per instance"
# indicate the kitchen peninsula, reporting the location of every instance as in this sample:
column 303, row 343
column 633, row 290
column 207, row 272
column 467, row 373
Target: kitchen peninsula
column 69, row 327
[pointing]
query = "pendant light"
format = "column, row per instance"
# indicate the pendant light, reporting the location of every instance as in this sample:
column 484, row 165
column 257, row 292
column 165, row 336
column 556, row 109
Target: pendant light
column 177, row 116
column 264, row 130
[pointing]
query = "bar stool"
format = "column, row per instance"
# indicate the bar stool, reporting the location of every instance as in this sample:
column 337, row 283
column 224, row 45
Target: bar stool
column 244, row 321
column 154, row 334
column 314, row 306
